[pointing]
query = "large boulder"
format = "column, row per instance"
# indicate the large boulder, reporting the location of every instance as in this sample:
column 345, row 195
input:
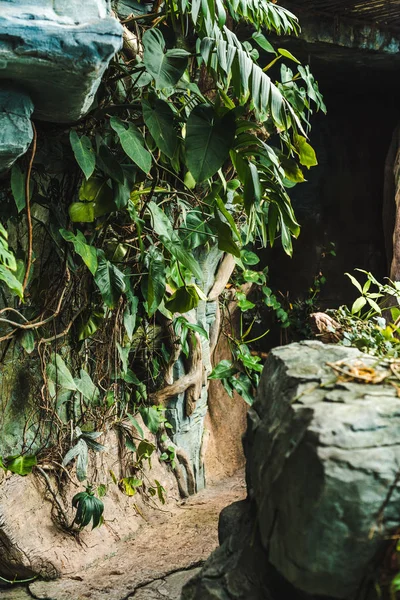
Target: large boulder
column 323, row 454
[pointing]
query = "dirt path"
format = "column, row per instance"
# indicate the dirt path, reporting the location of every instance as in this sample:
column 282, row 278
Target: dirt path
column 156, row 562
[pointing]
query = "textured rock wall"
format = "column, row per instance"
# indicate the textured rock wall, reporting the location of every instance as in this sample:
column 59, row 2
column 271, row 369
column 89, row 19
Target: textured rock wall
column 323, row 459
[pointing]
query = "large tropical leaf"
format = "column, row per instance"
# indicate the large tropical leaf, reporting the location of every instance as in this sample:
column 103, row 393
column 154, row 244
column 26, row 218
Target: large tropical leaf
column 159, row 118
column 165, row 66
column 110, row 281
column 132, row 143
column 156, row 280
column 86, row 252
column 83, row 152
column 208, row 141
column 171, row 240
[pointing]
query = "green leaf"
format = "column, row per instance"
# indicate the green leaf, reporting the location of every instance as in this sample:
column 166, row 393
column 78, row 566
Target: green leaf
column 86, row 387
column 166, row 67
column 262, row 41
column 151, row 417
column 159, row 118
column 288, row 54
column 11, row 281
column 225, row 238
column 244, row 387
column 98, row 200
column 292, row 170
column 109, row 164
column 306, row 152
column 183, row 299
column 110, row 281
column 83, row 152
column 132, row 143
column 130, row 485
column 354, row 282
column 249, row 258
column 170, row 239
column 18, row 187
column 59, row 373
column 156, row 280
column 86, row 252
column 135, row 424
column 223, row 370
column 358, row 305
column 28, row 341
column 21, row 465
column 130, row 314
column 208, row 141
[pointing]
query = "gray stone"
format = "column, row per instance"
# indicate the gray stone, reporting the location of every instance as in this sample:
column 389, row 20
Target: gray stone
column 323, row 474
column 15, row 126
column 57, row 52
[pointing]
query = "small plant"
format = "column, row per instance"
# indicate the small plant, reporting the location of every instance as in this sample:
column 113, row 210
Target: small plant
column 88, row 508
column 85, row 440
column 364, row 326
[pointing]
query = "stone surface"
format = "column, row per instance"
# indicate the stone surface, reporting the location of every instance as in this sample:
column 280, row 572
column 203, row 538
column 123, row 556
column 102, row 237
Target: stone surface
column 323, row 459
column 31, row 540
column 323, row 465
column 15, row 126
column 177, row 538
column 167, row 588
column 57, row 52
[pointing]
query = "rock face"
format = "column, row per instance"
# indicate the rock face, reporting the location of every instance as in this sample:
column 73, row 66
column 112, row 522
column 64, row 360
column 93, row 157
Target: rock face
column 32, row 542
column 15, row 126
column 322, row 475
column 58, row 52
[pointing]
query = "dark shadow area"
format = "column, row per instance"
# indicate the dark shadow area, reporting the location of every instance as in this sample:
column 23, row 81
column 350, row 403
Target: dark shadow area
column 340, row 206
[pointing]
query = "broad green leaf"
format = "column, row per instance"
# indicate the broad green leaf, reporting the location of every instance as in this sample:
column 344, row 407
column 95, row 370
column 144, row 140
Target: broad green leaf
column 28, row 341
column 123, row 352
column 109, row 164
column 97, row 200
column 11, row 281
column 18, row 187
column 86, row 387
column 223, row 370
column 87, row 252
column 110, row 281
column 306, row 152
column 262, row 41
column 208, row 141
column 225, row 238
column 83, row 152
column 58, row 372
column 130, row 485
column 288, row 54
column 292, row 170
column 165, row 66
column 159, row 118
column 354, row 282
column 249, row 258
column 151, row 417
column 89, row 324
column 183, row 300
column 21, row 465
column 358, row 305
column 156, row 280
column 81, row 212
column 244, row 387
column 130, row 314
column 136, row 425
column 132, row 143
column 170, row 239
